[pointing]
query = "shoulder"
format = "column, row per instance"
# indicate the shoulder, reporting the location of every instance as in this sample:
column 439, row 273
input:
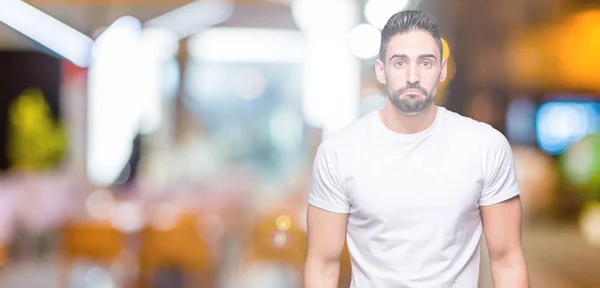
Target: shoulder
column 344, row 138
column 479, row 133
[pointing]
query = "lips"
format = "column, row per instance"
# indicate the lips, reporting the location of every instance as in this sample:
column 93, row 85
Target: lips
column 415, row 92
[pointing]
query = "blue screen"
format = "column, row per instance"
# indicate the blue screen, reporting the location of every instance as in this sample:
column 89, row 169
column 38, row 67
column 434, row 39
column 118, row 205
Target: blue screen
column 562, row 123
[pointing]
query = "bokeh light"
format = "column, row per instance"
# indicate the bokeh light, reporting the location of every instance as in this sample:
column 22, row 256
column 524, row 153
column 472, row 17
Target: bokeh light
column 98, row 277
column 578, row 41
column 280, row 239
column 441, row 97
column 562, row 123
column 378, row 12
column 283, row 222
column 589, row 222
column 165, row 216
column 128, row 217
column 100, row 205
column 364, row 41
column 251, row 83
column 581, row 165
column 445, row 49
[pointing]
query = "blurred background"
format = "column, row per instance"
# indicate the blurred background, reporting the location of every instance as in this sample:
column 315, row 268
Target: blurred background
column 149, row 143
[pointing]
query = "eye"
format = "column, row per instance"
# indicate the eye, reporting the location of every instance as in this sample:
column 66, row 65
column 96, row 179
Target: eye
column 426, row 64
column 399, row 63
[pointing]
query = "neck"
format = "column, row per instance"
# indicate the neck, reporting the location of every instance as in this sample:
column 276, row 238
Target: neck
column 403, row 123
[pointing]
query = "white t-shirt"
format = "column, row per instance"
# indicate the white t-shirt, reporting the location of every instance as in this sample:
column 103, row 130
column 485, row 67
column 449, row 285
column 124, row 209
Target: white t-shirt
column 413, row 199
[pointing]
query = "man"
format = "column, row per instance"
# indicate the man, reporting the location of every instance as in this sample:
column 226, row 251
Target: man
column 414, row 185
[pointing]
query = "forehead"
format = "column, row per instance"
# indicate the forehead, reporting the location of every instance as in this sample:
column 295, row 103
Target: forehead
column 413, row 43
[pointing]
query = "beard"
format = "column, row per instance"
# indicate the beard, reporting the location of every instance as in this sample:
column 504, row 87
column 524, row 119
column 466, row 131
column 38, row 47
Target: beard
column 412, row 104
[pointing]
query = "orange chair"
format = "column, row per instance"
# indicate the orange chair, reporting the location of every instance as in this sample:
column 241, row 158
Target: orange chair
column 95, row 241
column 3, row 256
column 181, row 247
column 292, row 251
column 98, row 241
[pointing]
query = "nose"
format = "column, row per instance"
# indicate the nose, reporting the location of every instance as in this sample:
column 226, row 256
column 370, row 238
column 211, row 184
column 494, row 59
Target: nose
column 413, row 74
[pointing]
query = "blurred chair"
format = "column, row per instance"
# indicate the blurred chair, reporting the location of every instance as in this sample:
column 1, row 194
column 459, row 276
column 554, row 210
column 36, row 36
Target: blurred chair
column 292, row 249
column 178, row 248
column 97, row 242
column 267, row 244
column 3, row 255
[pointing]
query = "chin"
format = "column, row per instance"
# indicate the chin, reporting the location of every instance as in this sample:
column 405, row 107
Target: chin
column 413, row 112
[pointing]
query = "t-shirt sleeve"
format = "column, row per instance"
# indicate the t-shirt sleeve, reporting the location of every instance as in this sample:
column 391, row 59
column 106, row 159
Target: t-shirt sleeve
column 327, row 191
column 500, row 179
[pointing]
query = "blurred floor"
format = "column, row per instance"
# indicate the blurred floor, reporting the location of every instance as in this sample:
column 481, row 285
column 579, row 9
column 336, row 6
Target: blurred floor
column 39, row 274
column 557, row 255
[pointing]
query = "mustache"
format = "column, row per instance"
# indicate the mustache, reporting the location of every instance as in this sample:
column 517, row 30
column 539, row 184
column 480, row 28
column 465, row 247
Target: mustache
column 412, row 86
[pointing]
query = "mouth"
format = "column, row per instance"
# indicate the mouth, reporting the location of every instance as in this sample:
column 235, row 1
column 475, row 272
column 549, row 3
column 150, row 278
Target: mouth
column 412, row 93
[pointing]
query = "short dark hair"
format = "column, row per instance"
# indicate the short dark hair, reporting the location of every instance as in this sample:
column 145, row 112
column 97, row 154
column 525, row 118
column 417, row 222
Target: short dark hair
column 405, row 21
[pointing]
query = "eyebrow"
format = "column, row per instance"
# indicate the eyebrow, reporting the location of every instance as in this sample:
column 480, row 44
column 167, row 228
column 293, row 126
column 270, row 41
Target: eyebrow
column 422, row 56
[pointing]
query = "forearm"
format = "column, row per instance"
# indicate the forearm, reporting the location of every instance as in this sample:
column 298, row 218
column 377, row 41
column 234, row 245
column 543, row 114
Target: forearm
column 321, row 273
column 510, row 271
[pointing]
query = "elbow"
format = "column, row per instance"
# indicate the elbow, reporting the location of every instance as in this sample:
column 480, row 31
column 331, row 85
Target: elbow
column 321, row 272
column 510, row 270
column 507, row 258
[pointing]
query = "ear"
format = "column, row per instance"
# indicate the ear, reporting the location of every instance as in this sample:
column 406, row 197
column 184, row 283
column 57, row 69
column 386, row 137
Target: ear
column 380, row 71
column 444, row 71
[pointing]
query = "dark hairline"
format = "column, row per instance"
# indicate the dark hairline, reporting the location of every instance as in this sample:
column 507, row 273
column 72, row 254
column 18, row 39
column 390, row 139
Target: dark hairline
column 408, row 21
column 412, row 29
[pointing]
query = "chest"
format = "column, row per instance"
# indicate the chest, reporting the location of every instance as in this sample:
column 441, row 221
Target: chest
column 408, row 184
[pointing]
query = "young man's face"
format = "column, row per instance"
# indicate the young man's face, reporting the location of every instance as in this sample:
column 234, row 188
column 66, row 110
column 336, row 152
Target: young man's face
column 411, row 71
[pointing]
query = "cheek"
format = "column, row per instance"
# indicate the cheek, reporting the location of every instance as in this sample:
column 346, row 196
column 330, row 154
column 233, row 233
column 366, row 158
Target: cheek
column 395, row 79
column 430, row 78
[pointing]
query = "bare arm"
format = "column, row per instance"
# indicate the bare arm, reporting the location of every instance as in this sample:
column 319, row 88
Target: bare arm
column 326, row 237
column 502, row 228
